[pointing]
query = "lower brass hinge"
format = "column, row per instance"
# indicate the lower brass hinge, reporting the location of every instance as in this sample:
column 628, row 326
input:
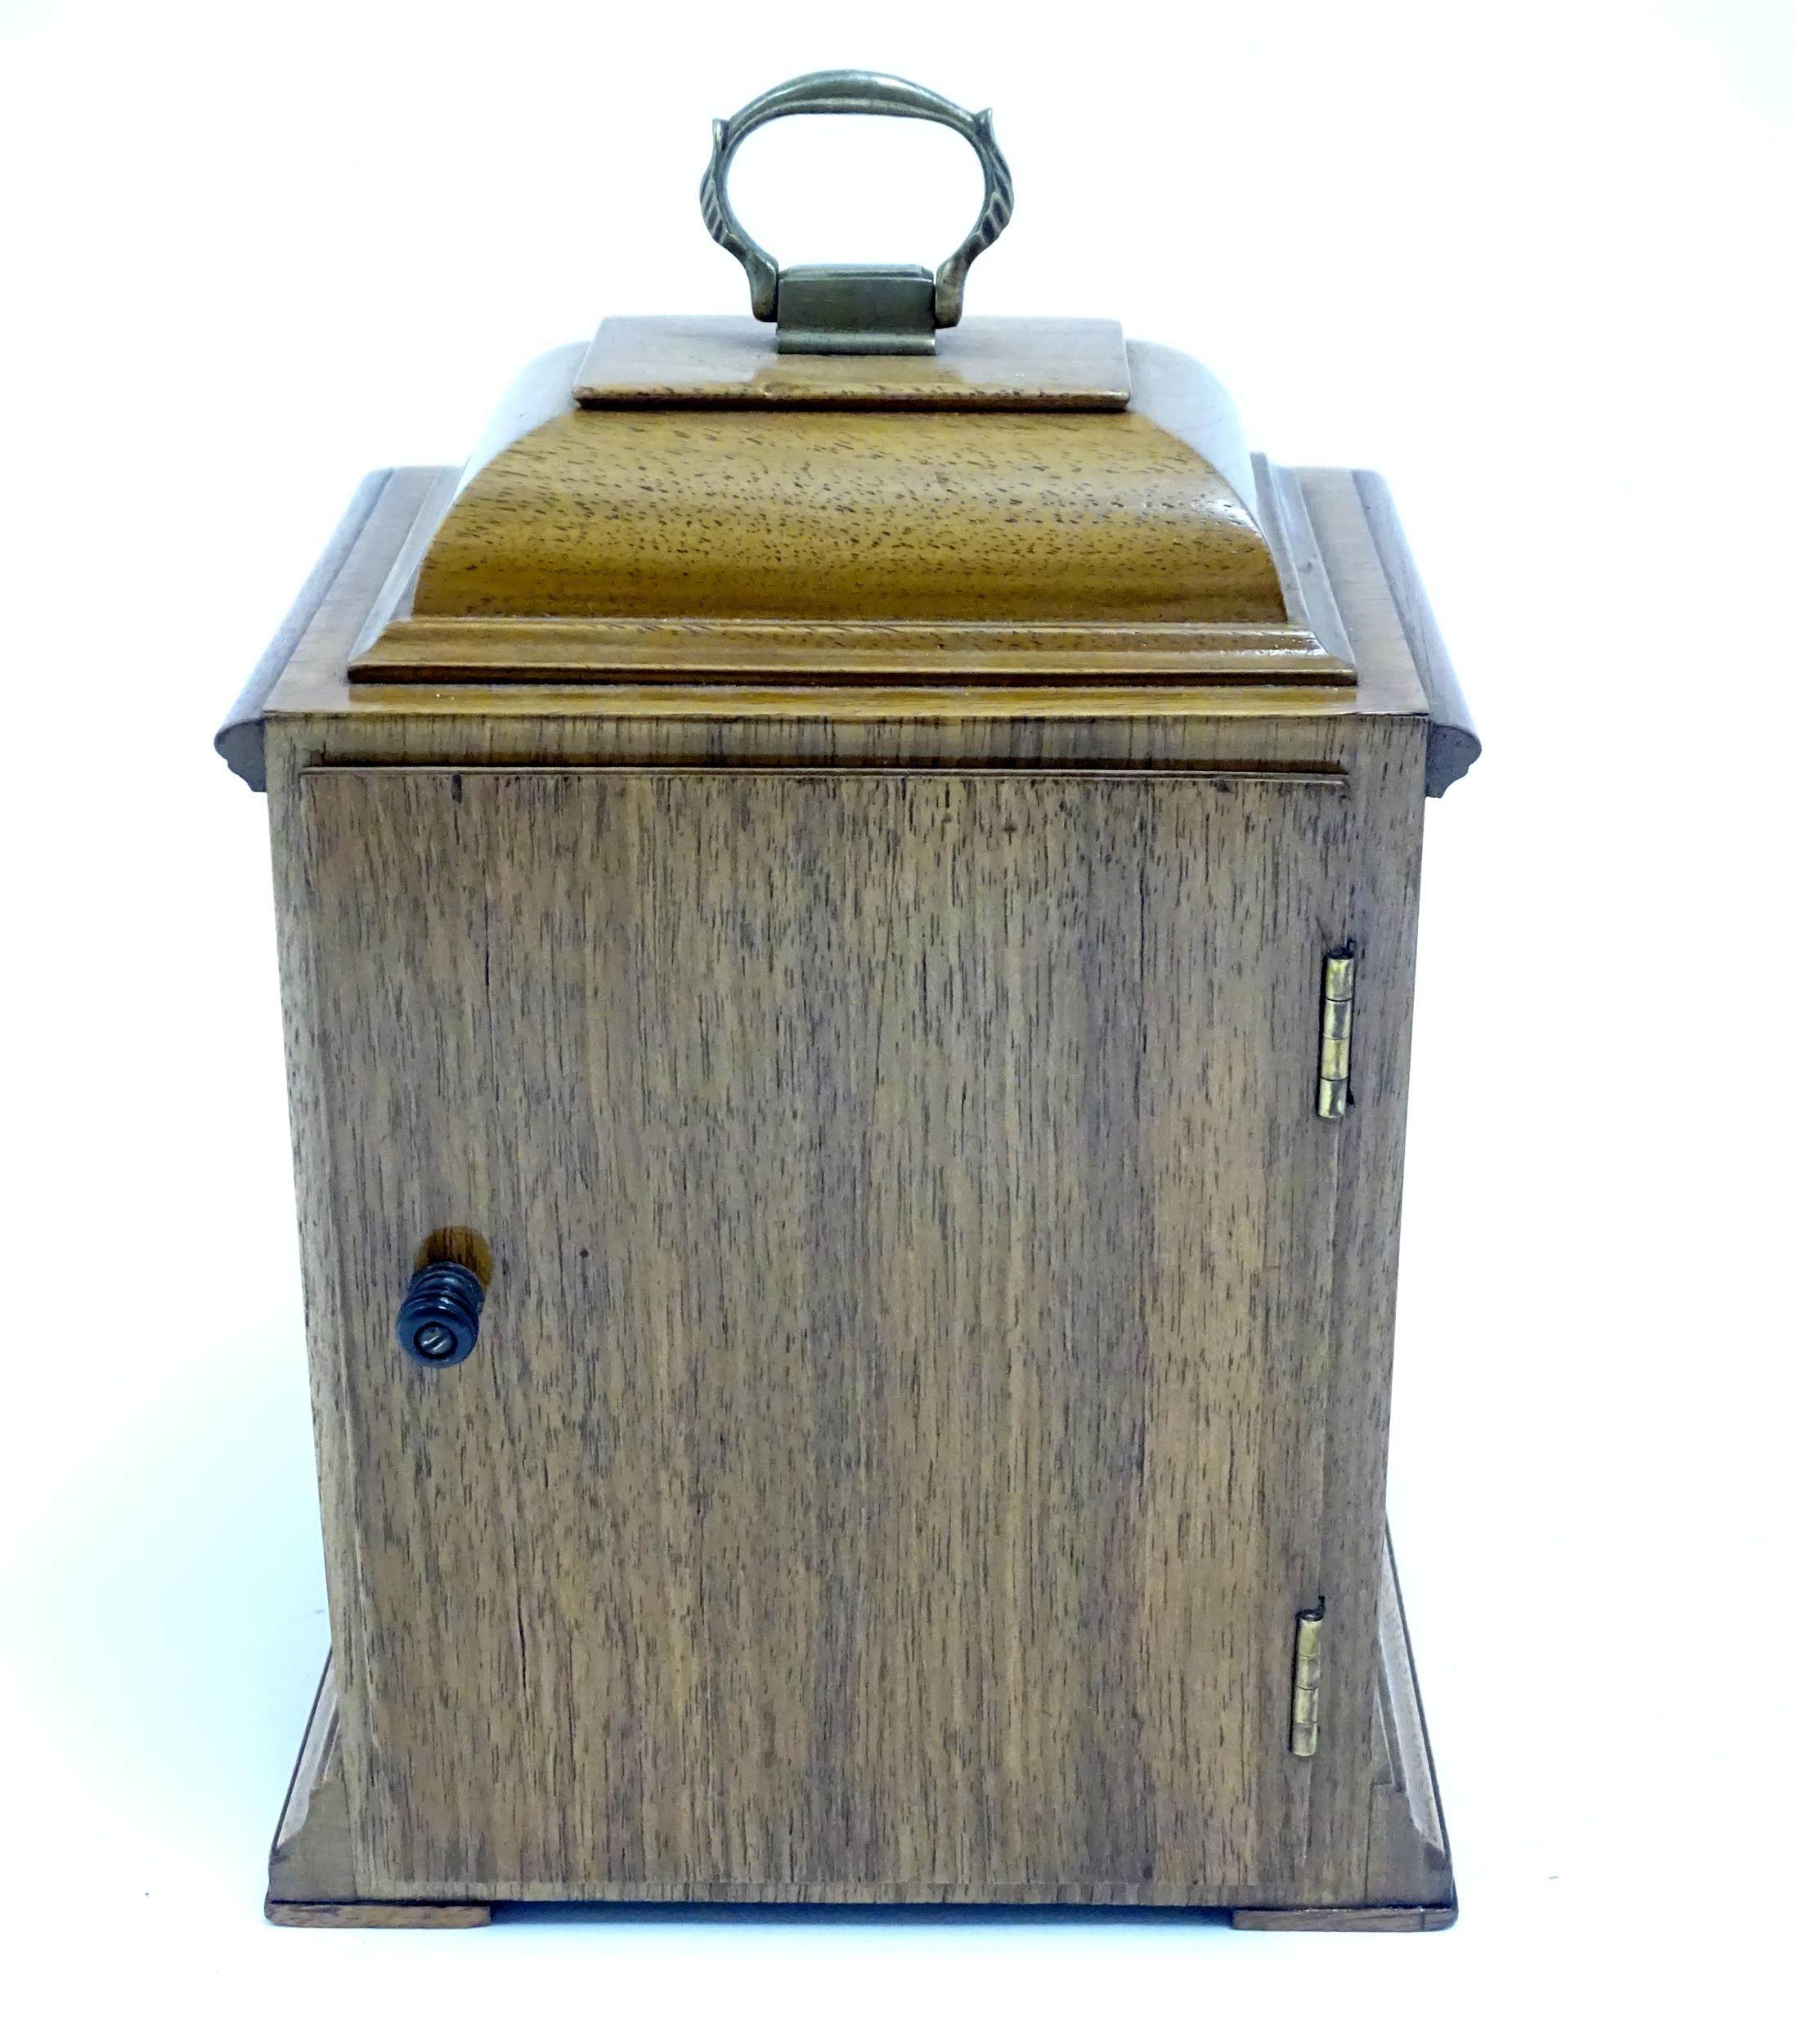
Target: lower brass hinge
column 1333, row 1093
column 1306, row 1683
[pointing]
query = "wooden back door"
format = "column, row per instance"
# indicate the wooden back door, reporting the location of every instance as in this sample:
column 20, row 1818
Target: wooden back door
column 891, row 1461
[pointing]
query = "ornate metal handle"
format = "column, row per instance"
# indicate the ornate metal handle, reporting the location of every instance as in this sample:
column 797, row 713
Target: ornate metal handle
column 842, row 309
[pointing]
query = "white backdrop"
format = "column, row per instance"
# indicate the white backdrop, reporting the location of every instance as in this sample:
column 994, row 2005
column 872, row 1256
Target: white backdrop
column 1532, row 260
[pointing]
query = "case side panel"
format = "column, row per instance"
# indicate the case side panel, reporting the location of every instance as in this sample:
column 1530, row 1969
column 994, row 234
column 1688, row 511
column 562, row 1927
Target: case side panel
column 321, row 649
column 1389, row 771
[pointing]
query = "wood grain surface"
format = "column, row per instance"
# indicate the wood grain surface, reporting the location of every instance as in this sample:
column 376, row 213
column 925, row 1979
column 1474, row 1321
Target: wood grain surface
column 858, row 518
column 1408, row 1884
column 1440, row 1916
column 869, row 545
column 1453, row 747
column 1409, row 1861
column 894, row 1452
column 377, row 1915
column 1027, row 364
column 312, row 1859
column 239, row 740
column 1353, row 1827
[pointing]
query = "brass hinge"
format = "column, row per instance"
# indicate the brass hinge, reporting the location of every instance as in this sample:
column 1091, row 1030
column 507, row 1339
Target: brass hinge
column 1332, row 1094
column 1306, row 1683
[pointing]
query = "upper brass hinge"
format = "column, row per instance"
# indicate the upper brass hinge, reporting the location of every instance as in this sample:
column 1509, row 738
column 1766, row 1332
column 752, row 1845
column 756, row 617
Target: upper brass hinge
column 1333, row 1091
column 1306, row 1683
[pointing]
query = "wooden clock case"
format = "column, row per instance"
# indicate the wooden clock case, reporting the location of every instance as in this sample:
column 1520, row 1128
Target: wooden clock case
column 873, row 902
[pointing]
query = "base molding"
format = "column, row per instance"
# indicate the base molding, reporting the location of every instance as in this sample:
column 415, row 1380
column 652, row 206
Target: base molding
column 1408, row 1880
column 377, row 1915
column 1434, row 1916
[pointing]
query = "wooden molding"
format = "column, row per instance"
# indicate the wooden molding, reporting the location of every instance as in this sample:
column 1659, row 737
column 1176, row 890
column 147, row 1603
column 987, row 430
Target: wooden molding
column 239, row 741
column 1453, row 746
column 1439, row 1917
column 1013, row 365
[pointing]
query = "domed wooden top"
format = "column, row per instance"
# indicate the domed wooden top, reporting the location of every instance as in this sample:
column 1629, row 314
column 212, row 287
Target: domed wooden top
column 1029, row 502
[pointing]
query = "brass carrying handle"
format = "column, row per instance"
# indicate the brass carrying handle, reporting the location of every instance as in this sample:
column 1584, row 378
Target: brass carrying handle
column 848, row 308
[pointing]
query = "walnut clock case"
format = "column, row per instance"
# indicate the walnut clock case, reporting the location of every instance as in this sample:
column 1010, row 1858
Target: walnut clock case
column 847, row 904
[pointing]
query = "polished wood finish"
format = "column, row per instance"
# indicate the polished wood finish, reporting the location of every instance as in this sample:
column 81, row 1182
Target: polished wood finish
column 835, row 1508
column 795, row 857
column 1406, row 1856
column 1408, row 1860
column 377, row 1915
column 239, row 741
column 313, row 1883
column 866, row 545
column 980, row 364
column 1441, row 1918
column 1453, row 746
column 312, row 1859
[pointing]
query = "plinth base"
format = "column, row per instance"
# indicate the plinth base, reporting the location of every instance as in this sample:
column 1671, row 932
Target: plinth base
column 377, row 1915
column 311, row 1882
column 1441, row 1918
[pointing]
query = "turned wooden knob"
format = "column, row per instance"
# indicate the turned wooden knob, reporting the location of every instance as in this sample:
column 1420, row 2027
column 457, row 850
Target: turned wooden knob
column 440, row 1320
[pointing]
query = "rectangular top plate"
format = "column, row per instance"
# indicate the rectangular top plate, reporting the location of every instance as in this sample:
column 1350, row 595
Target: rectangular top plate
column 994, row 365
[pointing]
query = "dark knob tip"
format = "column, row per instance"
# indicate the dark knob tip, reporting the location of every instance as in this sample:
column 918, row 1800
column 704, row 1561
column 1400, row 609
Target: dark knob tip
column 440, row 1320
